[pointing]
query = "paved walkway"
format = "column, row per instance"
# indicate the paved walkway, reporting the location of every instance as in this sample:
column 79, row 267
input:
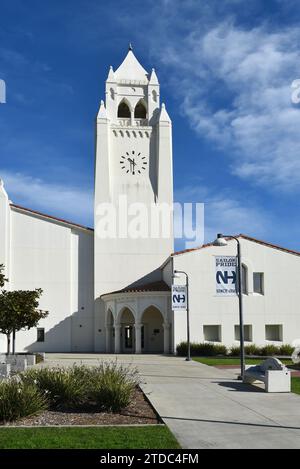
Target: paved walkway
column 206, row 407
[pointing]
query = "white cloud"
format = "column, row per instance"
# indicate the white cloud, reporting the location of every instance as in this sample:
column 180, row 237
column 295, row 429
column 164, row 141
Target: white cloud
column 58, row 200
column 235, row 87
column 224, row 214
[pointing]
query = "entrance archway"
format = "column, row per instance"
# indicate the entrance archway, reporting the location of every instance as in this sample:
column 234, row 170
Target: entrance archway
column 110, row 336
column 127, row 331
column 152, row 331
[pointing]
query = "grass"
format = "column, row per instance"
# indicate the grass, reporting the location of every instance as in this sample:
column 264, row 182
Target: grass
column 296, row 384
column 215, row 361
column 157, row 437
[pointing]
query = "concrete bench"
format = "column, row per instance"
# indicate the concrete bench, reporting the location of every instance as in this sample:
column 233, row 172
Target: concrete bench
column 271, row 372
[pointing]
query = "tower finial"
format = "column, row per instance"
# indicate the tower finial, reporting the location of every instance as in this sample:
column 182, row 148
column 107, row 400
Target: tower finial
column 130, row 46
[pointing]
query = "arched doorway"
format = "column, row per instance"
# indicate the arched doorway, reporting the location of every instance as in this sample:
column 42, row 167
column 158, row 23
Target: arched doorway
column 127, row 331
column 152, row 331
column 110, row 336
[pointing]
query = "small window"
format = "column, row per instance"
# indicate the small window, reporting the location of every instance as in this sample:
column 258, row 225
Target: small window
column 40, row 334
column 140, row 111
column 258, row 283
column 244, row 280
column 212, row 333
column 247, row 332
column 123, row 110
column 274, row 332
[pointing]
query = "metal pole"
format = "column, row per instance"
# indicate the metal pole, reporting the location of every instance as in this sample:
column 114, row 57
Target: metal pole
column 240, row 291
column 188, row 319
column 188, row 358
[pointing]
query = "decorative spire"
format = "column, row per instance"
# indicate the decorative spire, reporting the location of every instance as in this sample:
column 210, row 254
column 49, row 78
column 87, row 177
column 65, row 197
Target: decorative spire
column 164, row 116
column 111, row 75
column 130, row 46
column 102, row 111
column 153, row 78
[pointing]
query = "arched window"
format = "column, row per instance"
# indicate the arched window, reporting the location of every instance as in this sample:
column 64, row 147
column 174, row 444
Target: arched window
column 244, row 280
column 123, row 110
column 154, row 96
column 140, row 111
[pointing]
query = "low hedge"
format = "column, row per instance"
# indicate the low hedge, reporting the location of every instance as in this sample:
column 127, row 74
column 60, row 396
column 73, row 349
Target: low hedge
column 212, row 350
column 205, row 349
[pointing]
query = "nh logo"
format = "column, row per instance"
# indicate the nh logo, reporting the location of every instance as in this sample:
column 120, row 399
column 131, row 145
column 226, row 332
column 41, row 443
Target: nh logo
column 224, row 277
column 178, row 298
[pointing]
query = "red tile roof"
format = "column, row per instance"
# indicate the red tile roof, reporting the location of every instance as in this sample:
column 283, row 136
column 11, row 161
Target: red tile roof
column 249, row 238
column 148, row 287
column 61, row 220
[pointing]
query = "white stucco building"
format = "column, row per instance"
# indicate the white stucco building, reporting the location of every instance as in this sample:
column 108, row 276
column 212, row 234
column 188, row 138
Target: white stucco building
column 112, row 293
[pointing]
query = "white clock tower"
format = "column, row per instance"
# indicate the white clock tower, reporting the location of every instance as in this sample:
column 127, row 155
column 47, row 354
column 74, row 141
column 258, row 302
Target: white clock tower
column 133, row 184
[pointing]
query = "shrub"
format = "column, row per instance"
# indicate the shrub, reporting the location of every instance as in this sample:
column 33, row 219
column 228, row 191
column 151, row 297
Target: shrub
column 65, row 387
column 270, row 350
column 252, row 349
column 19, row 399
column 112, row 386
column 234, row 351
column 108, row 386
column 204, row 349
column 286, row 349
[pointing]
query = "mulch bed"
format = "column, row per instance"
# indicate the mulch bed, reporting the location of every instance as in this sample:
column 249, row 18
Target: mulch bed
column 138, row 412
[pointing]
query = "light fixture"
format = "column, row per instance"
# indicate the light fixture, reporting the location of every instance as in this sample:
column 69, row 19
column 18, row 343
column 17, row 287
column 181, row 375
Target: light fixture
column 220, row 240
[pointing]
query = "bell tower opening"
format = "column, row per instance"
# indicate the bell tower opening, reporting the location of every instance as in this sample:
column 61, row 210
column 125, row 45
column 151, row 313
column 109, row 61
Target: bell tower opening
column 140, row 111
column 123, row 110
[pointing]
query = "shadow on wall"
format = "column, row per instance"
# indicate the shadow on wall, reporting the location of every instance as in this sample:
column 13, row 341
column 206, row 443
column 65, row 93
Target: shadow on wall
column 57, row 339
column 74, row 333
column 154, row 276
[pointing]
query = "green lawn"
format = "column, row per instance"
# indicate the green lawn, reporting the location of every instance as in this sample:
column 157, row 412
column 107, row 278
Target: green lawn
column 157, row 437
column 296, row 385
column 215, row 361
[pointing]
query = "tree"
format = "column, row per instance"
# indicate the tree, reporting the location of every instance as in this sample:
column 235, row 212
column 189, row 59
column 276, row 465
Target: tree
column 19, row 310
column 2, row 276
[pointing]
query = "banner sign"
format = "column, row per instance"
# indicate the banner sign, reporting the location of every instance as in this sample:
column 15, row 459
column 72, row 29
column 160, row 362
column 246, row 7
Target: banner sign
column 226, row 275
column 179, row 297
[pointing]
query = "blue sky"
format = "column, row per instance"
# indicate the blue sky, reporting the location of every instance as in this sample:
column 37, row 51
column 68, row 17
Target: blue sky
column 225, row 70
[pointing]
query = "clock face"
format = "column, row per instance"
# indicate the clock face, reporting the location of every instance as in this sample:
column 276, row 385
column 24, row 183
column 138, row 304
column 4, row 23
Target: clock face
column 133, row 162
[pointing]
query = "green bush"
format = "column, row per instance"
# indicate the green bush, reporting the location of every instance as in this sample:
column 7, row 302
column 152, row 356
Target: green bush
column 109, row 386
column 252, row 349
column 64, row 387
column 19, row 399
column 201, row 349
column 286, row 349
column 234, row 351
column 270, row 350
column 113, row 386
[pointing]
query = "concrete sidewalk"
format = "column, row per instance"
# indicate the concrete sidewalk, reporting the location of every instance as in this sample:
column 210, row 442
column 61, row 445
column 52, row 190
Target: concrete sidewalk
column 206, row 407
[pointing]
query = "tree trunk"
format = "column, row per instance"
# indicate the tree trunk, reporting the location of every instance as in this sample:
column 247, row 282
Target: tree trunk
column 8, row 343
column 14, row 342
